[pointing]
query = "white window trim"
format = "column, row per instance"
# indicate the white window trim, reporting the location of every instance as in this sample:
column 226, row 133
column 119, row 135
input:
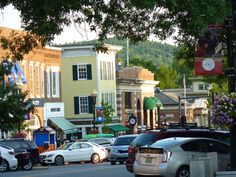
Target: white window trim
column 37, row 75
column 43, row 81
column 80, row 105
column 48, row 82
column 55, row 70
column 31, row 76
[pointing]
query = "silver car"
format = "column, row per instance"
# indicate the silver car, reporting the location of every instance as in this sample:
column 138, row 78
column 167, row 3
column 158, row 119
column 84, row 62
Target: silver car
column 119, row 150
column 171, row 157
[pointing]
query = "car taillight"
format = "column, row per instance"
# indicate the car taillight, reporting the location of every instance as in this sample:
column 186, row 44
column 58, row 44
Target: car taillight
column 11, row 153
column 166, row 156
column 132, row 150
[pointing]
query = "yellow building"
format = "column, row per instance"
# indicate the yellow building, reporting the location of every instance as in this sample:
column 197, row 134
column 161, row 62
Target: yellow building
column 83, row 72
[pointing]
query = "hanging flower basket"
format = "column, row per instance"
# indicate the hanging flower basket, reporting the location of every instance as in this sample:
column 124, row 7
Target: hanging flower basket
column 20, row 135
column 223, row 111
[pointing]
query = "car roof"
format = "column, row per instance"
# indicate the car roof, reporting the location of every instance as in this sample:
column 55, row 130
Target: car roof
column 129, row 135
column 169, row 142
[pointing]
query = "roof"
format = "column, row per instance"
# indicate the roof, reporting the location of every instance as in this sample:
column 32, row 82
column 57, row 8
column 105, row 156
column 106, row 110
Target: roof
column 165, row 99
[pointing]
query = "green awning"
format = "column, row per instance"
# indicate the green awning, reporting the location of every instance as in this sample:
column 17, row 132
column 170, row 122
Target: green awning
column 117, row 128
column 151, row 103
column 66, row 126
column 89, row 136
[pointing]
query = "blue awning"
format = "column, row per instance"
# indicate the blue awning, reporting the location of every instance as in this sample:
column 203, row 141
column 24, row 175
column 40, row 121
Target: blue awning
column 16, row 72
column 19, row 71
column 13, row 70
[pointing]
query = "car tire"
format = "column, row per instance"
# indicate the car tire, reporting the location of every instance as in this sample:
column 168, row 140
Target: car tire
column 95, row 158
column 59, row 160
column 183, row 172
column 135, row 175
column 4, row 166
column 113, row 162
column 28, row 166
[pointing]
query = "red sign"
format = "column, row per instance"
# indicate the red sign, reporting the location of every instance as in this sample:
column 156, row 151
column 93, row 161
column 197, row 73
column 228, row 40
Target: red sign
column 208, row 66
column 208, row 52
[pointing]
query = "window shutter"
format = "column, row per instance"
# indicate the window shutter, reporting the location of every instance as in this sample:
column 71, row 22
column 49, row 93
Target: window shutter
column 91, row 104
column 75, row 72
column 89, row 72
column 76, row 105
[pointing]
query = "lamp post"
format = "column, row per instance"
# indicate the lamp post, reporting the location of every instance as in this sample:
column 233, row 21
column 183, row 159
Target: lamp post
column 94, row 96
column 158, row 115
column 18, row 91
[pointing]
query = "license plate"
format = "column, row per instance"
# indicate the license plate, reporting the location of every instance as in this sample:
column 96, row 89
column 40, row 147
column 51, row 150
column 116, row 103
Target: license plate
column 148, row 160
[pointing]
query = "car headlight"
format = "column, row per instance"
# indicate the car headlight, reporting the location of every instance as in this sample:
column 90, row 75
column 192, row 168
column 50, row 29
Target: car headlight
column 50, row 155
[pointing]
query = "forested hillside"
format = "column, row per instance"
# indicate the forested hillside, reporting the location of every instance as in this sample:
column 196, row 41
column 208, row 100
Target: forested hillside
column 156, row 52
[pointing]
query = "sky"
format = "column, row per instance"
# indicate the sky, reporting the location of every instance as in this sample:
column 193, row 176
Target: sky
column 9, row 17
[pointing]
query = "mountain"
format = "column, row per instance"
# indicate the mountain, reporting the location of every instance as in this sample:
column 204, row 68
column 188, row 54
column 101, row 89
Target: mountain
column 157, row 52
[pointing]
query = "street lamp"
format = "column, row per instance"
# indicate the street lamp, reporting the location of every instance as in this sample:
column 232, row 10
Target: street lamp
column 94, row 96
column 158, row 115
column 18, row 92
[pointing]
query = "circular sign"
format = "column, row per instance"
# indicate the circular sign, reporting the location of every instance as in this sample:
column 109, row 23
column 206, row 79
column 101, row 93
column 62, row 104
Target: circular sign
column 132, row 120
column 208, row 64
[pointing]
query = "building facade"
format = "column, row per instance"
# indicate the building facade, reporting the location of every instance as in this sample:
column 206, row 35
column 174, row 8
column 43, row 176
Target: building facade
column 133, row 85
column 85, row 71
column 42, row 72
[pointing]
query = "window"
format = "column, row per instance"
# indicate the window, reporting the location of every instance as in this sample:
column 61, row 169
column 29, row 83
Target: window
column 200, row 87
column 37, row 80
column 31, row 79
column 55, row 81
column 128, row 100
column 48, row 83
column 82, row 72
column 42, row 80
column 83, row 105
column 24, row 72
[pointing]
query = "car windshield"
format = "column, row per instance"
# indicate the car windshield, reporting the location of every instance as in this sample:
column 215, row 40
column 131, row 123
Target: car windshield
column 64, row 146
column 120, row 141
column 145, row 138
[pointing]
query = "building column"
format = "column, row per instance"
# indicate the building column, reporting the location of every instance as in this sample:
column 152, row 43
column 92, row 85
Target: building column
column 148, row 119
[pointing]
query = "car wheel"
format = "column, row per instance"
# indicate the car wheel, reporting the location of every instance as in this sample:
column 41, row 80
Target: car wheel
column 183, row 172
column 95, row 158
column 135, row 175
column 121, row 162
column 28, row 166
column 113, row 162
column 59, row 160
column 4, row 166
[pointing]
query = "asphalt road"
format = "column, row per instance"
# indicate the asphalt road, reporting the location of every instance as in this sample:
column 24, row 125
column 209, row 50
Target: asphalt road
column 73, row 170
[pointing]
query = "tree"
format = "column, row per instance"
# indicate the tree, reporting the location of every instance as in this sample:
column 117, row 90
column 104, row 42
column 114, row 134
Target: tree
column 132, row 18
column 107, row 113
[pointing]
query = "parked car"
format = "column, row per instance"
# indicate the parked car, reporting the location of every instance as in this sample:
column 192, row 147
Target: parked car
column 106, row 142
column 23, row 159
column 21, row 145
column 9, row 162
column 74, row 152
column 149, row 137
column 119, row 150
column 172, row 156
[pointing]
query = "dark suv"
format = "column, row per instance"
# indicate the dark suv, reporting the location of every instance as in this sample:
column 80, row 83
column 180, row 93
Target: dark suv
column 149, row 137
column 20, row 145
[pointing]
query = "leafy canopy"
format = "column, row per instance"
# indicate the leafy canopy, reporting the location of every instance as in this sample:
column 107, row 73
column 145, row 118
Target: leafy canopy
column 131, row 18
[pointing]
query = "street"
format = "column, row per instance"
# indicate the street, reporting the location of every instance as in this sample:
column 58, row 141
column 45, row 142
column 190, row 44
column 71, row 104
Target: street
column 73, row 170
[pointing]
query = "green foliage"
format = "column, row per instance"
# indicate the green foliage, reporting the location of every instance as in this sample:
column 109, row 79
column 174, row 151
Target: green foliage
column 13, row 107
column 107, row 112
column 134, row 19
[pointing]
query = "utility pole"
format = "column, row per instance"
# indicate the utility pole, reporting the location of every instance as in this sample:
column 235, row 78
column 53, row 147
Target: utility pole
column 231, row 27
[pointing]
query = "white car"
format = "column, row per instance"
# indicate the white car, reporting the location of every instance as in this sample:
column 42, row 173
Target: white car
column 171, row 157
column 9, row 161
column 74, row 152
